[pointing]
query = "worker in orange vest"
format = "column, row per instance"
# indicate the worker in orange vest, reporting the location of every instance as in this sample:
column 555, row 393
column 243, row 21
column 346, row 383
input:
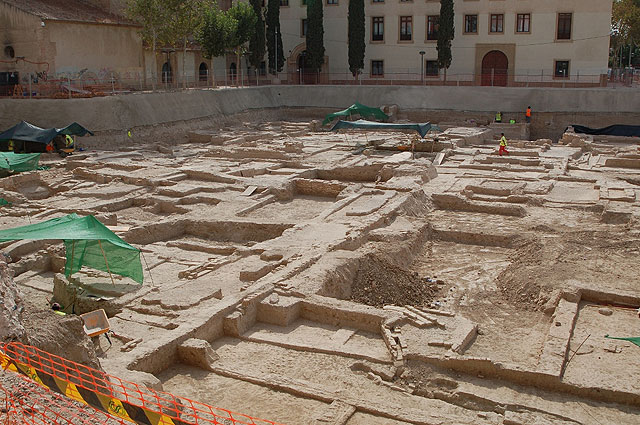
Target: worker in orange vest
column 528, row 114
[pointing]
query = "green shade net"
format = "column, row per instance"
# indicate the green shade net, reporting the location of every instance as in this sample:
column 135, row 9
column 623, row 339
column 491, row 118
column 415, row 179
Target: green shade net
column 633, row 339
column 88, row 243
column 19, row 161
column 4, row 202
column 422, row 129
column 357, row 108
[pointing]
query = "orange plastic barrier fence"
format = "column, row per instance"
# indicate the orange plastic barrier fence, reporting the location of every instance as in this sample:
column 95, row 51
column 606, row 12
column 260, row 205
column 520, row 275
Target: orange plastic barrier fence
column 28, row 403
column 112, row 399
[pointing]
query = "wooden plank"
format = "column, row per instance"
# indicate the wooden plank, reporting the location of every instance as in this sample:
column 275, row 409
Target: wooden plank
column 119, row 228
column 249, row 191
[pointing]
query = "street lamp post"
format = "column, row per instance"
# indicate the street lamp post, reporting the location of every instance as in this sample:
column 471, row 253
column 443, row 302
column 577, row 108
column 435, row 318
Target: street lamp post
column 421, row 66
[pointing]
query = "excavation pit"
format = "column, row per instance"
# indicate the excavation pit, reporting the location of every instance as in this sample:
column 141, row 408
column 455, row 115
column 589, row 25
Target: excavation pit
column 592, row 354
column 337, row 283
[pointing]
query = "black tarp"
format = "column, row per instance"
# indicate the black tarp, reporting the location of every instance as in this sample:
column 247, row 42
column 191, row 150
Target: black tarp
column 34, row 138
column 612, row 130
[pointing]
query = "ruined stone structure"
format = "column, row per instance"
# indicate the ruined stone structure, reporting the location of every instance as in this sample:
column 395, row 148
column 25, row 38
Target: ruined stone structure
column 311, row 277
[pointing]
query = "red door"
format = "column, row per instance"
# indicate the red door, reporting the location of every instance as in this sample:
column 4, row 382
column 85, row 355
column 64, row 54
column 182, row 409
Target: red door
column 494, row 69
column 305, row 74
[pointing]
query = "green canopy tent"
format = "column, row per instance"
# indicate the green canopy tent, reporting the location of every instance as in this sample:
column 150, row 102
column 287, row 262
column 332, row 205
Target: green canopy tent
column 87, row 242
column 422, row 128
column 34, row 138
column 359, row 109
column 10, row 161
column 633, row 339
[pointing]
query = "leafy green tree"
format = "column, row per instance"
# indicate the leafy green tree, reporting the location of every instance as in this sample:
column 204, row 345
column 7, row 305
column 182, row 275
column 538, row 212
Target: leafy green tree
column 274, row 37
column 245, row 24
column 315, row 35
column 625, row 26
column 625, row 19
column 356, row 36
column 153, row 16
column 185, row 18
column 216, row 32
column 257, row 41
column 446, row 32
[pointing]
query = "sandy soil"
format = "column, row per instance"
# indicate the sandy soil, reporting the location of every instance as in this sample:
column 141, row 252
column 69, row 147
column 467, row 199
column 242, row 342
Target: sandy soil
column 511, row 260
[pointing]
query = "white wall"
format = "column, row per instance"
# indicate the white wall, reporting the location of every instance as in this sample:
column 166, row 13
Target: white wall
column 535, row 52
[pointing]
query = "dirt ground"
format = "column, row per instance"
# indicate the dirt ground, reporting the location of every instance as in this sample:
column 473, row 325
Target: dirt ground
column 313, row 278
column 34, row 404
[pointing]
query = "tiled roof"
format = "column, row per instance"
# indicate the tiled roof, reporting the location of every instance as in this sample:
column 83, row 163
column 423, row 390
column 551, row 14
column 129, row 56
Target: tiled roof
column 68, row 10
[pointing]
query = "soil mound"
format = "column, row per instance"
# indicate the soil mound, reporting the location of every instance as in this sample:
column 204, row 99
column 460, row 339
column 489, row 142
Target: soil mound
column 20, row 321
column 380, row 283
column 63, row 336
column 521, row 283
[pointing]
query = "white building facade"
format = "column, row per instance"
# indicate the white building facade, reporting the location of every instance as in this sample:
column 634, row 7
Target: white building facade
column 497, row 42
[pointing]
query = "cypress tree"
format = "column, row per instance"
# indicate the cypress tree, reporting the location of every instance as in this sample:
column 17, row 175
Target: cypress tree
column 356, row 36
column 445, row 35
column 256, row 43
column 273, row 27
column 315, row 35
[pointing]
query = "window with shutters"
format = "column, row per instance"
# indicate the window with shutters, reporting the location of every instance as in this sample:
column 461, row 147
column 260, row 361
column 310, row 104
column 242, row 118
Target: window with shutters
column 406, row 28
column 564, row 26
column 377, row 28
column 496, row 23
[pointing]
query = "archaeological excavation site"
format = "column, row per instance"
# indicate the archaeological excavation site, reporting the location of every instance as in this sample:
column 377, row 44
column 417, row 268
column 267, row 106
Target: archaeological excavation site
column 256, row 261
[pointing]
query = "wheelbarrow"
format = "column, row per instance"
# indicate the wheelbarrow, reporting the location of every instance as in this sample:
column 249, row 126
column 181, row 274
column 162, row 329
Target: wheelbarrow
column 96, row 323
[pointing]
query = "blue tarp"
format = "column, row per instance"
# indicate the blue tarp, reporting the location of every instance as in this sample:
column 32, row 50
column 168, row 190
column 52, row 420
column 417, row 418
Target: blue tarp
column 422, row 128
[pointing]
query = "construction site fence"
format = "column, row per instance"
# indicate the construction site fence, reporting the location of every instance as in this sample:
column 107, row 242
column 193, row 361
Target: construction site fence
column 48, row 389
column 35, row 86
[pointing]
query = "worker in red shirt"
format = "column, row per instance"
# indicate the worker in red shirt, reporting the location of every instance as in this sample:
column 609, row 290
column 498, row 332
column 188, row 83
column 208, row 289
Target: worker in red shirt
column 528, row 114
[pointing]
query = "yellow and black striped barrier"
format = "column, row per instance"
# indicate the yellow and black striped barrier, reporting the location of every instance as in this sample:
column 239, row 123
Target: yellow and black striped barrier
column 112, row 406
column 111, row 395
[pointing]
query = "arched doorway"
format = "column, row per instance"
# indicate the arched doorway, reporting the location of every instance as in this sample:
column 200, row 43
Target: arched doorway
column 305, row 74
column 233, row 72
column 167, row 76
column 494, row 69
column 203, row 72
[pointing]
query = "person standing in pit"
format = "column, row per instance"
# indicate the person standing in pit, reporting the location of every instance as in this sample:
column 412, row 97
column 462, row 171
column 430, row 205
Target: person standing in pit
column 503, row 145
column 498, row 116
column 68, row 141
column 527, row 114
